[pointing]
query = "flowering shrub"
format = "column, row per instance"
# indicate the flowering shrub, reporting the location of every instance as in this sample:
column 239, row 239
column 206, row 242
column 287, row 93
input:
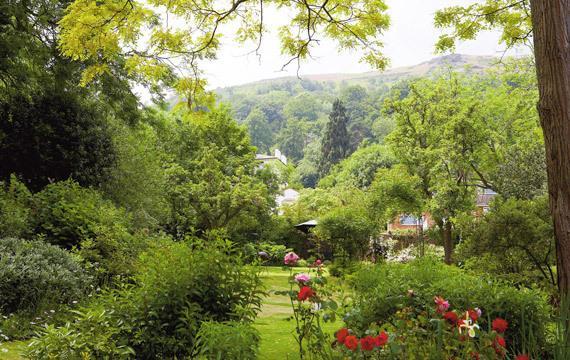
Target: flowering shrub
column 367, row 346
column 311, row 303
column 382, row 292
column 438, row 333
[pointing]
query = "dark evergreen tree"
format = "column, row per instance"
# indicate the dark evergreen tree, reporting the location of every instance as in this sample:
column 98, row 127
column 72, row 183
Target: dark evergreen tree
column 335, row 144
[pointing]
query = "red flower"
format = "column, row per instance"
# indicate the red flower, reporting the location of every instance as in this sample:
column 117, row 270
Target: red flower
column 381, row 339
column 499, row 345
column 341, row 335
column 367, row 343
column 522, row 357
column 451, row 317
column 500, row 325
column 475, row 355
column 305, row 293
column 473, row 314
column 351, row 342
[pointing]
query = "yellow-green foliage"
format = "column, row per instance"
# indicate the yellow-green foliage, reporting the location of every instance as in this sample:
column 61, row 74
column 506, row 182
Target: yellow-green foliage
column 146, row 35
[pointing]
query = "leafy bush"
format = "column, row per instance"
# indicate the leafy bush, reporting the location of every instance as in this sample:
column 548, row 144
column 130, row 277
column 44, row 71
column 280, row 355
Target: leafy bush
column 231, row 340
column 92, row 335
column 35, row 274
column 177, row 288
column 383, row 290
column 347, row 229
column 68, row 214
column 14, row 209
column 514, row 240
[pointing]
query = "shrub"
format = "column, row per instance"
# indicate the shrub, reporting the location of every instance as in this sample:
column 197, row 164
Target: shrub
column 92, row 335
column 35, row 274
column 383, row 290
column 347, row 229
column 68, row 214
column 514, row 240
column 231, row 340
column 14, row 209
column 178, row 287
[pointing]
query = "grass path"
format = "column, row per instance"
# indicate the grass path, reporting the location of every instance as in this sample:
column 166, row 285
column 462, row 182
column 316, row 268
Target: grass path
column 274, row 323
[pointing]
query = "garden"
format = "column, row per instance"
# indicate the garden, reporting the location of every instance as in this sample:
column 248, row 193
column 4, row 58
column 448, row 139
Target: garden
column 150, row 208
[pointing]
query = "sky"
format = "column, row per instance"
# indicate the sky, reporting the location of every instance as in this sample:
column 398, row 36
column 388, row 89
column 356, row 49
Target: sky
column 409, row 41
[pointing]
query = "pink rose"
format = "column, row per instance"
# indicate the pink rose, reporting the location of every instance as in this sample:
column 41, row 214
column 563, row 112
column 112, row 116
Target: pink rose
column 302, row 278
column 291, row 259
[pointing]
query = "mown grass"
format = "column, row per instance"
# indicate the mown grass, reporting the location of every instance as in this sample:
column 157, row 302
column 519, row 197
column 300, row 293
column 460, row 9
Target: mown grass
column 12, row 350
column 274, row 322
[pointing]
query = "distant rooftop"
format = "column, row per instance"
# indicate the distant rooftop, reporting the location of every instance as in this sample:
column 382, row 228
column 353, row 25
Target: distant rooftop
column 277, row 155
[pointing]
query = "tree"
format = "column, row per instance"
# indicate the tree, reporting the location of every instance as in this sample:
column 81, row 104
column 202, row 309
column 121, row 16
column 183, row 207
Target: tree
column 54, row 137
column 215, row 182
column 514, row 237
column 292, row 139
column 359, row 169
column 335, row 143
column 546, row 23
column 437, row 138
column 259, row 131
column 395, row 191
column 359, row 109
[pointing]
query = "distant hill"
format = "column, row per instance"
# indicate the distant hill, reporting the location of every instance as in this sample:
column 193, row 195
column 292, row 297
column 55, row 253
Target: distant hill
column 289, row 113
column 471, row 63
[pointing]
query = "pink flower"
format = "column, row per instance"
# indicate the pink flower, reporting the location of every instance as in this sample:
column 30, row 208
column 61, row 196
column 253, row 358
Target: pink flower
column 318, row 262
column 441, row 304
column 302, row 278
column 291, row 259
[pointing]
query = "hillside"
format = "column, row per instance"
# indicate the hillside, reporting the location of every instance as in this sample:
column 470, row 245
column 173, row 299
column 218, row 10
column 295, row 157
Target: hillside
column 290, row 113
column 458, row 62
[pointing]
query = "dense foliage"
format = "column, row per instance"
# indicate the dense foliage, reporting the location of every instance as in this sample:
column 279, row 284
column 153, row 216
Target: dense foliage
column 179, row 286
column 35, row 275
column 387, row 289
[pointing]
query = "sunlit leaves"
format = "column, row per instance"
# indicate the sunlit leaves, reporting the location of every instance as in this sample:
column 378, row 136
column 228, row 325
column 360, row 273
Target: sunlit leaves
column 160, row 38
column 511, row 17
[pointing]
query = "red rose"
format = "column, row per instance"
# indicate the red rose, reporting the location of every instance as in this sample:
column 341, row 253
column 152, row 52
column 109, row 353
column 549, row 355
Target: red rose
column 500, row 325
column 367, row 343
column 351, row 342
column 522, row 357
column 451, row 317
column 473, row 315
column 381, row 339
column 305, row 293
column 341, row 335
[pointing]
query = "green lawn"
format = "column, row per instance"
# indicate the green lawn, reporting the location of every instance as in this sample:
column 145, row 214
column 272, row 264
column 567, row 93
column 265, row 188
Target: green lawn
column 13, row 350
column 274, row 324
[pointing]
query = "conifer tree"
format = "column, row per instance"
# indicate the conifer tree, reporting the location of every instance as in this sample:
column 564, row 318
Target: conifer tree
column 335, row 142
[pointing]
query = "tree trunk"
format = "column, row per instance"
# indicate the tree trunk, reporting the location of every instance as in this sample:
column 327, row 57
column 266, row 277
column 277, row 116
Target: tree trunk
column 447, row 241
column 551, row 31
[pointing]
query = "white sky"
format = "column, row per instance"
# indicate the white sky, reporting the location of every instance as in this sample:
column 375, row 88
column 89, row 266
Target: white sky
column 409, row 41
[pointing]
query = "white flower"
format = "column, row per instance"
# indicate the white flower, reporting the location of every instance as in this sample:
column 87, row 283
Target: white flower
column 468, row 325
